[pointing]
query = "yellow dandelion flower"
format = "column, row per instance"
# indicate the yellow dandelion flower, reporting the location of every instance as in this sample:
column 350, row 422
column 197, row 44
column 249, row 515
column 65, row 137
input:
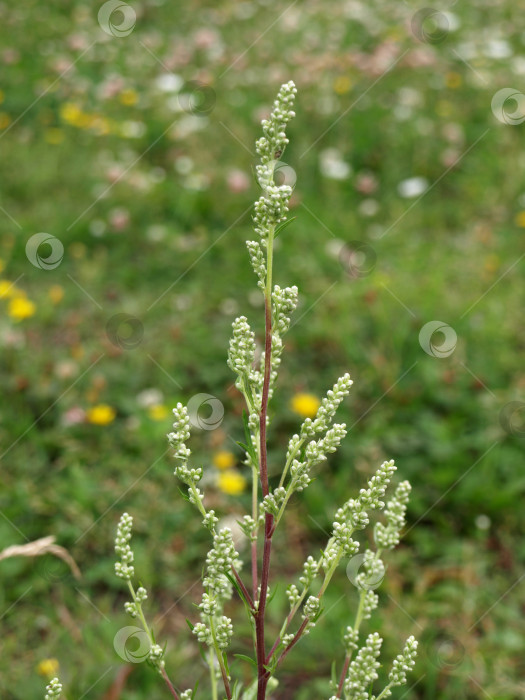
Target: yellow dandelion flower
column 231, row 482
column 129, row 97
column 453, row 80
column 5, row 120
column 48, row 667
column 71, row 113
column 158, row 412
column 342, row 84
column 520, row 219
column 21, row 308
column 54, row 136
column 7, row 289
column 56, row 293
column 305, row 405
column 224, row 459
column 101, row 414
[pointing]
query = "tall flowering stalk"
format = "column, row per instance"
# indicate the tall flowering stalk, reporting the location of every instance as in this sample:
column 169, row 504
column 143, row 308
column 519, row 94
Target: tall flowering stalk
column 316, row 439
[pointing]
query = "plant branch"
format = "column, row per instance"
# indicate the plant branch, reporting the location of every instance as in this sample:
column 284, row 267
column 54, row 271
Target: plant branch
column 243, row 588
column 262, row 673
column 147, row 630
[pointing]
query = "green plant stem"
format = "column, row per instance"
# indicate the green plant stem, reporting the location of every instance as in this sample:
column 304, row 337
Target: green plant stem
column 262, row 673
column 291, row 615
column 382, row 694
column 218, row 654
column 357, row 624
column 348, row 657
column 147, row 630
column 255, row 516
column 234, row 570
column 243, row 588
column 213, row 680
column 290, row 460
column 248, row 397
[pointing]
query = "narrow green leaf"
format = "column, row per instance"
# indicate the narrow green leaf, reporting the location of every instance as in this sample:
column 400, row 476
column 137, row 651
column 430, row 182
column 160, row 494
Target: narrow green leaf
column 274, row 591
column 183, row 494
column 249, row 451
column 334, row 672
column 282, row 226
column 225, row 659
column 246, row 658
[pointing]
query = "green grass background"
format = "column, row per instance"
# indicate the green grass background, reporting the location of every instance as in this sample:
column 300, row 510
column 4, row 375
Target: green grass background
column 392, row 106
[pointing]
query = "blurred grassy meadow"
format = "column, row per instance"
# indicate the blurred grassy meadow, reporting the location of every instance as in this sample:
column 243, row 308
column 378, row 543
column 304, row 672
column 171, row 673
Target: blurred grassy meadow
column 131, row 154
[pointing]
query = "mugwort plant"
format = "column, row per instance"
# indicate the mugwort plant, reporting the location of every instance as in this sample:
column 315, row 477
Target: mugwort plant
column 316, row 439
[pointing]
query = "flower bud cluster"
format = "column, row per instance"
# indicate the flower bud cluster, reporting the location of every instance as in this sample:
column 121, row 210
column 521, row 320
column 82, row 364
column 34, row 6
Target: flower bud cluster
column 353, row 515
column 134, row 608
column 315, row 452
column 370, row 602
column 210, row 520
column 312, row 607
column 273, row 501
column 271, row 208
column 363, row 669
column 181, row 432
column 219, row 561
column 387, row 536
column 404, row 663
column 292, row 593
column 53, row 690
column 249, row 526
column 284, row 303
column 124, row 568
column 272, row 144
column 224, row 632
column 242, row 347
column 327, row 409
column 203, row 633
column 209, row 605
column 155, row 656
column 258, row 262
column 373, row 572
column 310, row 571
column 376, row 487
column 350, row 639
